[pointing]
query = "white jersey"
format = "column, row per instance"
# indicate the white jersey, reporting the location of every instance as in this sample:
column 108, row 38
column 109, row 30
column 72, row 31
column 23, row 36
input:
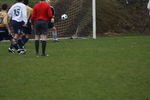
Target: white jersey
column 18, row 12
column 148, row 5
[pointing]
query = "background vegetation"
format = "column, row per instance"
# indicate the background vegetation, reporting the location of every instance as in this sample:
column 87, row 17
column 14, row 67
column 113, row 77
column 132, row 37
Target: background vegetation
column 118, row 16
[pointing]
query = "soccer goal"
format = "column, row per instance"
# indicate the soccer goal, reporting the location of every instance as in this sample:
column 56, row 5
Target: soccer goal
column 81, row 18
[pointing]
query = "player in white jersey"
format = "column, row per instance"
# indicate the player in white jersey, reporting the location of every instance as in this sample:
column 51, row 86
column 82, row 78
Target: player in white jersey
column 18, row 18
column 27, row 30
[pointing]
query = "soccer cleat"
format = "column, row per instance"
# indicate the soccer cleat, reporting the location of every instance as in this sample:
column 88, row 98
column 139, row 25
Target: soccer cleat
column 23, row 47
column 21, row 51
column 44, row 55
column 11, row 50
column 55, row 40
column 37, row 55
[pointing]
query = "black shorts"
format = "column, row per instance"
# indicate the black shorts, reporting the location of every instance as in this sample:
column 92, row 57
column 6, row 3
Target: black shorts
column 40, row 27
column 17, row 26
column 4, row 35
column 27, row 29
column 50, row 25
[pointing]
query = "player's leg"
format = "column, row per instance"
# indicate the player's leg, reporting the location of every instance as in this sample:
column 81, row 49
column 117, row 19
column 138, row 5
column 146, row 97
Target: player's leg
column 27, row 35
column 43, row 41
column 37, row 37
column 14, row 40
column 40, row 29
column 26, row 38
column 2, row 32
column 14, row 43
column 28, row 32
column 37, row 32
column 23, row 40
column 1, row 37
column 54, row 33
column 44, row 31
column 5, row 35
column 17, row 27
column 20, row 42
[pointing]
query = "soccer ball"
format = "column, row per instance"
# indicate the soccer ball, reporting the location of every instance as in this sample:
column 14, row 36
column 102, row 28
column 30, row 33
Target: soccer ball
column 64, row 17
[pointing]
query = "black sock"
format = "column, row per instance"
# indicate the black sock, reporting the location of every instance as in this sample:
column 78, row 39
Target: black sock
column 20, row 43
column 37, row 46
column 43, row 47
column 14, row 44
column 11, row 46
column 25, row 40
column 23, row 37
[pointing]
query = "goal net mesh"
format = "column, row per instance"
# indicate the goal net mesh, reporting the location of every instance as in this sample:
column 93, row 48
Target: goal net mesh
column 79, row 21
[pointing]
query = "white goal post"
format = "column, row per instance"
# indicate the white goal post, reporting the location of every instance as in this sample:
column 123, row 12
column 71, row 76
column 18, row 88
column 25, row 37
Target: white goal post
column 94, row 18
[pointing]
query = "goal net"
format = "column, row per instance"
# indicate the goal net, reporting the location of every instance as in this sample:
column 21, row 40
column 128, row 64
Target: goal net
column 80, row 18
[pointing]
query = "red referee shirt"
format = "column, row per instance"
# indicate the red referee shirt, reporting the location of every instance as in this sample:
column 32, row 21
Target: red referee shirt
column 41, row 11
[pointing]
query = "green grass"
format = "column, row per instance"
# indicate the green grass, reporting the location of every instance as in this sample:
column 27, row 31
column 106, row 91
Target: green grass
column 108, row 68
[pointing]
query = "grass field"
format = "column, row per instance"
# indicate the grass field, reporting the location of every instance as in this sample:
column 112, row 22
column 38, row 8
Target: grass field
column 108, row 68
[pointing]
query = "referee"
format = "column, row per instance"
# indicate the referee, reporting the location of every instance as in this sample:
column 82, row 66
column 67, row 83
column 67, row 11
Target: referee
column 40, row 16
